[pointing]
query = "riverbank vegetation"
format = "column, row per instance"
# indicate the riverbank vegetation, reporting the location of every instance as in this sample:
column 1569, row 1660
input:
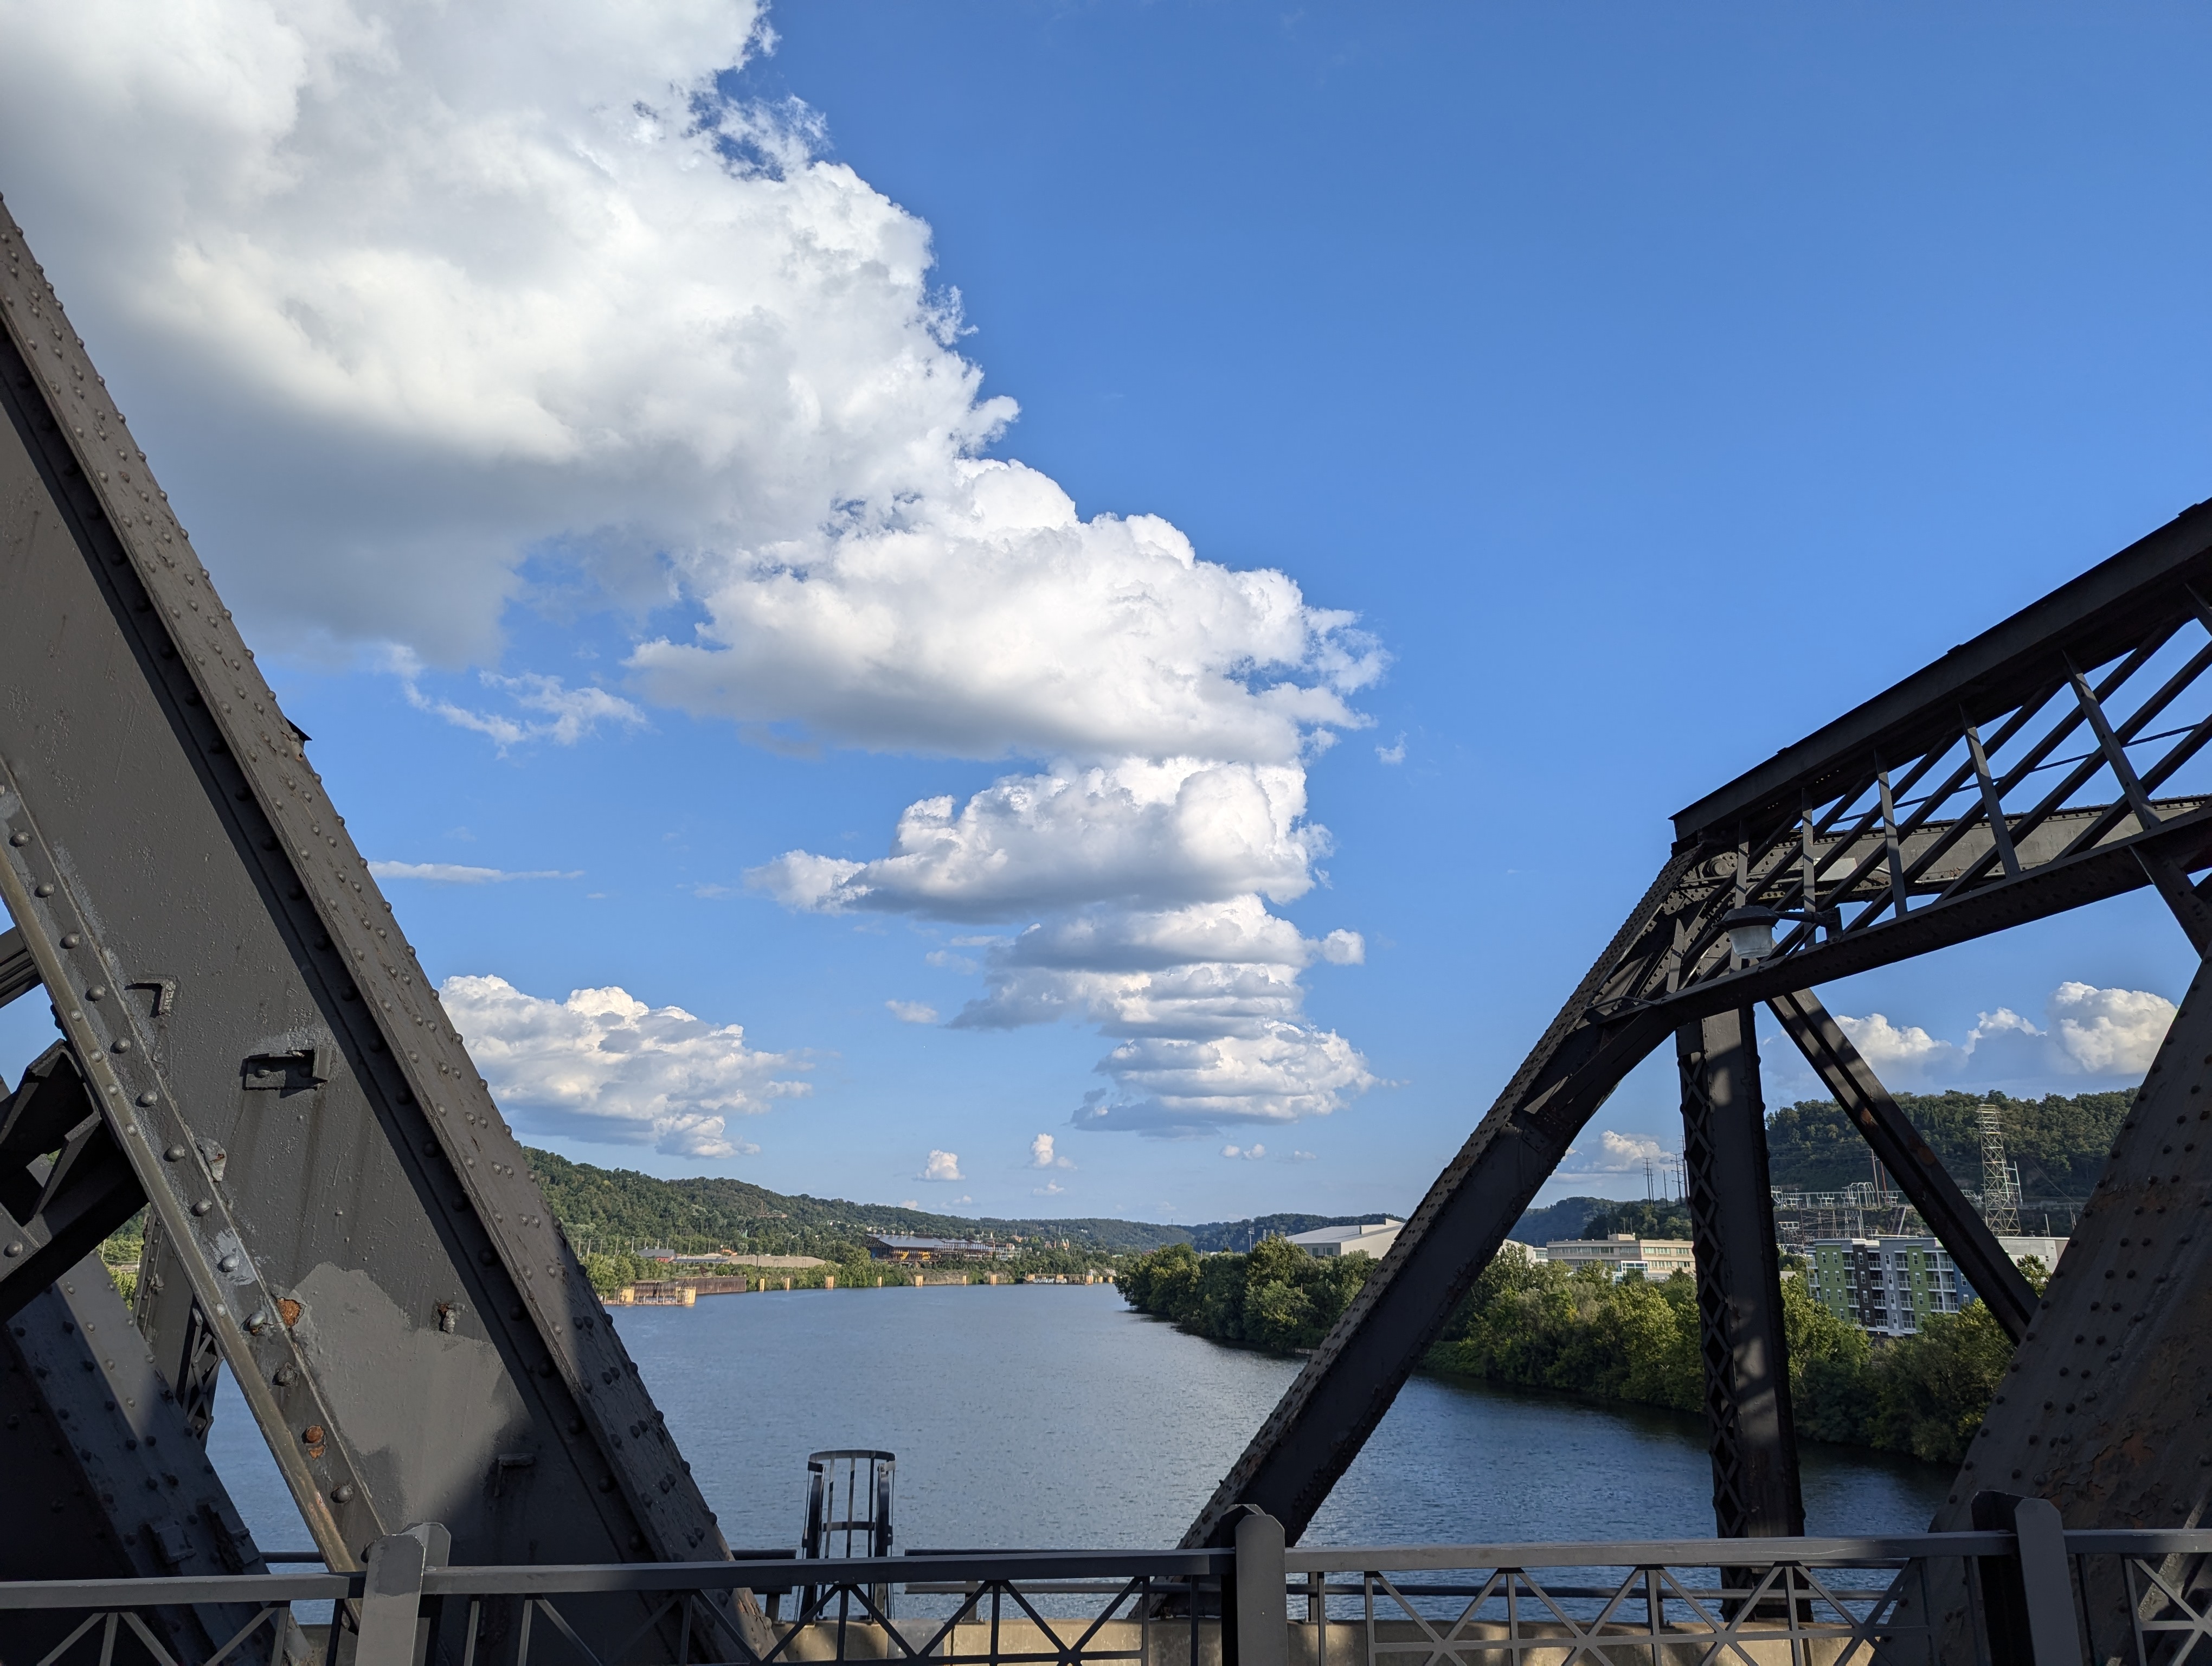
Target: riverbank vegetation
column 608, row 1270
column 1538, row 1325
column 1277, row 1297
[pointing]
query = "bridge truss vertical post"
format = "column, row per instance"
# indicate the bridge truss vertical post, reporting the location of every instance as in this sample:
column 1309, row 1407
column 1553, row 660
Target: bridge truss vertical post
column 1745, row 1359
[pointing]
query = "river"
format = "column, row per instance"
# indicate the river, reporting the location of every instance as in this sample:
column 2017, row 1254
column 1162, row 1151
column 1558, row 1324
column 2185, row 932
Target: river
column 1052, row 1416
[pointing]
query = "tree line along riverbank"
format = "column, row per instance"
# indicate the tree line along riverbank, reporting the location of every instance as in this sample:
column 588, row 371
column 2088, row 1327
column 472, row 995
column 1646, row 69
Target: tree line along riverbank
column 1538, row 1325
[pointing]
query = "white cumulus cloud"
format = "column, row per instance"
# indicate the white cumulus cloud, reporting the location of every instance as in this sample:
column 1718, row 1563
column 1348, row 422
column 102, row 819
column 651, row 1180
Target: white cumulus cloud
column 912, row 1012
column 515, row 305
column 604, row 1066
column 1247, row 1153
column 2092, row 1032
column 1177, row 829
column 1043, row 1156
column 1619, row 1153
column 941, row 1165
column 1204, row 1004
column 2110, row 1032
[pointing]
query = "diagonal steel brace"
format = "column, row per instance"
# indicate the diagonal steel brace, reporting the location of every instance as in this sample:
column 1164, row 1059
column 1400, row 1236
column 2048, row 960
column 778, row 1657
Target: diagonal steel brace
column 1908, row 1158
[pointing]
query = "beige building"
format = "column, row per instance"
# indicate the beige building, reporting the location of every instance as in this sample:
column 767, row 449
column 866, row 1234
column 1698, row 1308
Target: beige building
column 1624, row 1253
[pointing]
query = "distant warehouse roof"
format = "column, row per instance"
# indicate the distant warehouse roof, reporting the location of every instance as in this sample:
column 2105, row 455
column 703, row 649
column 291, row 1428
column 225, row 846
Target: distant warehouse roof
column 898, row 1246
column 1373, row 1238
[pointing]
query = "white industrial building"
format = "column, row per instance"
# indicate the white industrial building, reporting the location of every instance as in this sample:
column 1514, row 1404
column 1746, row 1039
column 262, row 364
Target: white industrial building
column 1374, row 1239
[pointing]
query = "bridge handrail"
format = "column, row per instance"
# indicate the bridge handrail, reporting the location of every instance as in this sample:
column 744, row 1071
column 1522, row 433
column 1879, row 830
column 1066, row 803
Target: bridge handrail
column 969, row 1567
column 783, row 1572
column 1652, row 1553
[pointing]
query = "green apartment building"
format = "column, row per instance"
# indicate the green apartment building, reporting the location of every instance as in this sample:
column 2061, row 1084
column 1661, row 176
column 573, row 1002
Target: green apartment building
column 1888, row 1286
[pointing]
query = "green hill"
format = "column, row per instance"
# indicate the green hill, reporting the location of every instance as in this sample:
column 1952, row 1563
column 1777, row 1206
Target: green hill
column 2058, row 1142
column 1564, row 1220
column 609, row 1207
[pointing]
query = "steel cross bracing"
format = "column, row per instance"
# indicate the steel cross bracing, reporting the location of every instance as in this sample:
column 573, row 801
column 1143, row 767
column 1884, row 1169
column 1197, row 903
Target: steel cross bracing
column 336, row 1204
column 2051, row 762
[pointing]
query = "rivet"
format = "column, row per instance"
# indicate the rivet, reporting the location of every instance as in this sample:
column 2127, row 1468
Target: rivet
column 19, row 838
column 175, row 1154
column 149, row 1098
column 343, row 1494
column 42, row 888
column 259, row 1323
column 227, row 1264
column 13, row 1250
column 70, row 940
column 98, row 992
column 120, row 1044
column 203, row 1206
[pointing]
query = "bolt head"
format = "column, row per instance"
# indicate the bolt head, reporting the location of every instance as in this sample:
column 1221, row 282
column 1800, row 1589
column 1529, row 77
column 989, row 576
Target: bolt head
column 19, row 838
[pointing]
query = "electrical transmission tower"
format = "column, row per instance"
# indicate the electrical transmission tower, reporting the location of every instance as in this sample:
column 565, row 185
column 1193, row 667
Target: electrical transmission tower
column 2000, row 1188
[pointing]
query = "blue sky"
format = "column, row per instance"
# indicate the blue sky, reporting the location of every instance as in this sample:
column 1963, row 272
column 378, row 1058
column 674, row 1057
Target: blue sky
column 1650, row 386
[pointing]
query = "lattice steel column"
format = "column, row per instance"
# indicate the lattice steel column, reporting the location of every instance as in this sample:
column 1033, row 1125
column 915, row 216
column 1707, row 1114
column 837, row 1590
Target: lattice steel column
column 1746, row 1362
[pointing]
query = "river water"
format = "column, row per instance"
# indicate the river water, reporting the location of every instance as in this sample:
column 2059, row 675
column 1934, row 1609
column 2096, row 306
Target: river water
column 1046, row 1415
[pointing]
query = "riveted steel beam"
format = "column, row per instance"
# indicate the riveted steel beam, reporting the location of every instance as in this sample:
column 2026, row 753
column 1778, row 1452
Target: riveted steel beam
column 361, row 1240
column 2105, row 1407
column 65, row 1184
column 1741, row 1345
column 18, row 973
column 104, row 1479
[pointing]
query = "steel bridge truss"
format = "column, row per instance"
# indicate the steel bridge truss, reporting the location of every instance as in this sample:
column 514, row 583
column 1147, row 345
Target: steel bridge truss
column 336, row 1211
column 2056, row 760
column 250, row 1054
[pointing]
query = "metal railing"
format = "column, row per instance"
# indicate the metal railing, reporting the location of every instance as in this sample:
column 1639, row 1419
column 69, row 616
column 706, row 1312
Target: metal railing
column 2032, row 1594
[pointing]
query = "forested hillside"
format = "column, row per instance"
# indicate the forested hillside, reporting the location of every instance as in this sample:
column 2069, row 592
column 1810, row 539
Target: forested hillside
column 614, row 1205
column 2058, row 1142
column 1564, row 1220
